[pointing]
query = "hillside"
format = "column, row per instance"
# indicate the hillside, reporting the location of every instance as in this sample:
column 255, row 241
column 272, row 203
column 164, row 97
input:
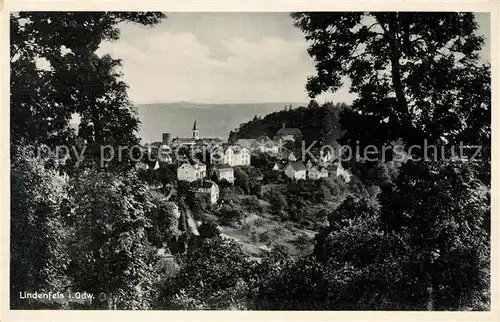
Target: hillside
column 317, row 123
column 214, row 120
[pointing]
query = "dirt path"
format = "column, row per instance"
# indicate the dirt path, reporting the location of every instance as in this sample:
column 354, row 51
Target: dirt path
column 191, row 223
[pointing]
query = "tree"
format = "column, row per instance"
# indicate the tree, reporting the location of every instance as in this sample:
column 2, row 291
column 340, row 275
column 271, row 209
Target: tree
column 313, row 104
column 42, row 103
column 278, row 203
column 449, row 232
column 302, row 243
column 101, row 219
column 230, row 214
column 241, row 179
column 208, row 229
column 417, row 76
column 39, row 233
column 289, row 284
column 418, row 80
column 214, row 276
column 164, row 220
column 110, row 247
column 260, row 161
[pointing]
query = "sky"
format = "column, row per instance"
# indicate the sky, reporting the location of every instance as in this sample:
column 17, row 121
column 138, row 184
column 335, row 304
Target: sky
column 223, row 58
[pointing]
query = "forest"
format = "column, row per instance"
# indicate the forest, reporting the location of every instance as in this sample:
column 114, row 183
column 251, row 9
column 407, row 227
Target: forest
column 316, row 123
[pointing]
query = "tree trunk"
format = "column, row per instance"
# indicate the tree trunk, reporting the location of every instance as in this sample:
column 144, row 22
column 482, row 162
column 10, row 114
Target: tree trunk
column 429, row 292
column 394, row 34
column 430, row 298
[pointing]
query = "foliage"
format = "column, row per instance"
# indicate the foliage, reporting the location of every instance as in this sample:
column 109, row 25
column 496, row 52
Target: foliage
column 109, row 248
column 252, row 204
column 198, row 203
column 278, row 203
column 241, row 179
column 448, row 233
column 164, row 223
column 39, row 233
column 318, row 124
column 42, row 105
column 302, row 243
column 413, row 254
column 213, row 276
column 230, row 214
column 417, row 76
column 260, row 161
column 208, row 229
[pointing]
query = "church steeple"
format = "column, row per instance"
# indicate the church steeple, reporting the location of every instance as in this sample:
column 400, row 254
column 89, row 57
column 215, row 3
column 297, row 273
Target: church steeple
column 196, row 132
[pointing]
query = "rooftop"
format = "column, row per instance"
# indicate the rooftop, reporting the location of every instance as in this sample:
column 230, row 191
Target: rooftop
column 223, row 166
column 297, row 165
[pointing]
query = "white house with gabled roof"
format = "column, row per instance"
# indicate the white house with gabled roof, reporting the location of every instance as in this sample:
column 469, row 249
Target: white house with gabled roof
column 191, row 171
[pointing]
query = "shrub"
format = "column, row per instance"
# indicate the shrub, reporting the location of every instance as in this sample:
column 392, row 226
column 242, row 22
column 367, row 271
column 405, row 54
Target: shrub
column 259, row 222
column 265, row 237
column 208, row 230
column 252, row 204
column 230, row 214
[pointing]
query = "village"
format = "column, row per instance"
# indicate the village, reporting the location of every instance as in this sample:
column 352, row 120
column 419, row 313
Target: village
column 250, row 161
column 202, row 162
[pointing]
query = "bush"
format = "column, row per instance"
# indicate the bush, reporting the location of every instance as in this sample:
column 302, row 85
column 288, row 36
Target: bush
column 252, row 204
column 279, row 231
column 265, row 237
column 278, row 202
column 259, row 222
column 215, row 275
column 230, row 215
column 302, row 242
column 208, row 230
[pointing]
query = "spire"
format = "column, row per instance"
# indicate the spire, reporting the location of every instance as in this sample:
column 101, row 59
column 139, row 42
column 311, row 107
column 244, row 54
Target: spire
column 196, row 132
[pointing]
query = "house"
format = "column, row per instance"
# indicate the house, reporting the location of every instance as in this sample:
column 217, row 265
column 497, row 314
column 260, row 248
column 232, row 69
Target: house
column 279, row 166
column 288, row 134
column 343, row 173
column 211, row 142
column 191, row 170
column 269, row 146
column 316, row 173
column 194, row 140
column 210, row 189
column 250, row 144
column 233, row 155
column 287, row 155
column 264, row 138
column 165, row 154
column 328, row 154
column 295, row 170
column 142, row 165
column 224, row 172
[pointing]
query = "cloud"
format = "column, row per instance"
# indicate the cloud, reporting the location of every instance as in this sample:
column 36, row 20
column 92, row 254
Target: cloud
column 167, row 66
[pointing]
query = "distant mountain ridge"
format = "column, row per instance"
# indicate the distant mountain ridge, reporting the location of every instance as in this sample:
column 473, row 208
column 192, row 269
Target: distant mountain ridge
column 213, row 120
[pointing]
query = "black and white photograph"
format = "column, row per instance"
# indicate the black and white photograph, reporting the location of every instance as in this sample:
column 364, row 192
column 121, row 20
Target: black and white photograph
column 250, row 161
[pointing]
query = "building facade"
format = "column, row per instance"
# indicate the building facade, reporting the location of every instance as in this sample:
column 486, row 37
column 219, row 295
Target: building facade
column 191, row 171
column 224, row 172
column 316, row 173
column 210, row 189
column 296, row 170
column 232, row 155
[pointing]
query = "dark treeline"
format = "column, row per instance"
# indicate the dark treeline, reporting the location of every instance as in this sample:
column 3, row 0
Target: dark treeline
column 317, row 123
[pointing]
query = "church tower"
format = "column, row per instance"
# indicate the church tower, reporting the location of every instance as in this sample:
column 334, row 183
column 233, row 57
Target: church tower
column 196, row 132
